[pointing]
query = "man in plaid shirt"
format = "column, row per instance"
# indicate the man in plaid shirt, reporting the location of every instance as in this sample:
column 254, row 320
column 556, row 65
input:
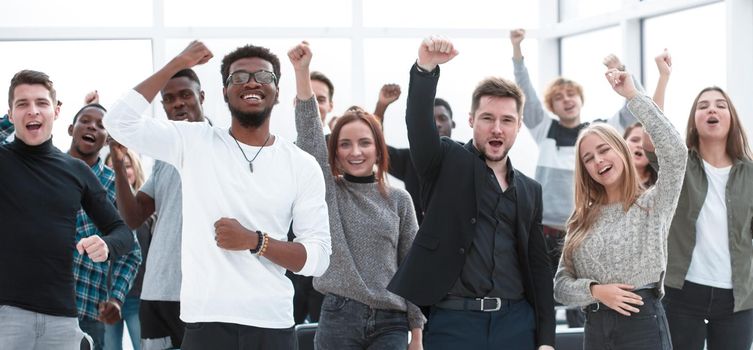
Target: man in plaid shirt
column 98, row 301
column 6, row 129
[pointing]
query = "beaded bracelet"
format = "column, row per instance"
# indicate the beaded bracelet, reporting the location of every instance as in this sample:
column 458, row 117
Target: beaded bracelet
column 264, row 245
column 258, row 244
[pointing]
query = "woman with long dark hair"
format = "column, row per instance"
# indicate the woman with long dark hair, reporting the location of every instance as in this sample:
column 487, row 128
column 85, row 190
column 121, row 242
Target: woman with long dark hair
column 709, row 281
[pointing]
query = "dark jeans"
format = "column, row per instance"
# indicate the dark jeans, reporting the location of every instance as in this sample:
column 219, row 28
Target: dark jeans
column 94, row 329
column 646, row 330
column 349, row 324
column 698, row 314
column 230, row 336
column 512, row 327
column 161, row 327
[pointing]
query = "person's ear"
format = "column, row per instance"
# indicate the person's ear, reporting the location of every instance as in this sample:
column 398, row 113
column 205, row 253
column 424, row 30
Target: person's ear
column 70, row 130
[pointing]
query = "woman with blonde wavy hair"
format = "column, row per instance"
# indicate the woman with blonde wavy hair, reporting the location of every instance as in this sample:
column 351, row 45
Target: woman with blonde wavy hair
column 614, row 257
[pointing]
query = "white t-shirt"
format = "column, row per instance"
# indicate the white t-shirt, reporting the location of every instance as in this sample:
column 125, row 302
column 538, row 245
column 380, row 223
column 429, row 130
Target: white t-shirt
column 711, row 264
column 287, row 185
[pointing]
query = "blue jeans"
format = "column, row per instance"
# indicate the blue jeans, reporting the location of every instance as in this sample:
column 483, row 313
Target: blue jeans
column 27, row 330
column 513, row 326
column 114, row 332
column 645, row 330
column 349, row 324
column 699, row 314
column 94, row 329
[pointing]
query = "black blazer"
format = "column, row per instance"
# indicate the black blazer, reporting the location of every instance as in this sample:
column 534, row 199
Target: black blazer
column 451, row 175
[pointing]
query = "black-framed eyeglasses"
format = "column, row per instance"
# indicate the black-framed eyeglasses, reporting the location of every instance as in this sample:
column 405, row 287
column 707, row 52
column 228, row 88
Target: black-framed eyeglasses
column 260, row 76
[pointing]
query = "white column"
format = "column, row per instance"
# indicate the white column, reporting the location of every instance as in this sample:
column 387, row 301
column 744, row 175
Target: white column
column 740, row 59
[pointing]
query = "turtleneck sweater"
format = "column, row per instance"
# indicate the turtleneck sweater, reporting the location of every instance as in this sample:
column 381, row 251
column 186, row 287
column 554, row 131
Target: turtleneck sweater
column 42, row 190
column 371, row 232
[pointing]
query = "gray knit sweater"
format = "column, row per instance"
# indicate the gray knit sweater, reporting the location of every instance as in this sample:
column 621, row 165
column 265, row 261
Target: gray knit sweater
column 370, row 234
column 630, row 247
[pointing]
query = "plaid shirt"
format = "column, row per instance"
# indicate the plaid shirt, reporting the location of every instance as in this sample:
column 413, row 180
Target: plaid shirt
column 91, row 278
column 6, row 129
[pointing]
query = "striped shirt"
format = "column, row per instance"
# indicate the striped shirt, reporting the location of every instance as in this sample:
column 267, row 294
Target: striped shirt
column 91, row 278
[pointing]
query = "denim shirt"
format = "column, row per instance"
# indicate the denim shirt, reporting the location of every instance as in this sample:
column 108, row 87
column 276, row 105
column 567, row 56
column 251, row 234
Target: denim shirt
column 682, row 233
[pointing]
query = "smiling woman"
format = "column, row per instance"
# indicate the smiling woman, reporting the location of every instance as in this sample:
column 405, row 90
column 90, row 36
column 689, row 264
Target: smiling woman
column 617, row 224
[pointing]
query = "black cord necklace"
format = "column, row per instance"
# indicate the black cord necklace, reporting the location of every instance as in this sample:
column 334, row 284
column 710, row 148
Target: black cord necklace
column 250, row 162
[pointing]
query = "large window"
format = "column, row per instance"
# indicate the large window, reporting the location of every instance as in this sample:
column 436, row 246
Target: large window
column 76, row 13
column 582, row 57
column 576, row 9
column 699, row 53
column 478, row 58
column 76, row 67
column 270, row 14
column 451, row 14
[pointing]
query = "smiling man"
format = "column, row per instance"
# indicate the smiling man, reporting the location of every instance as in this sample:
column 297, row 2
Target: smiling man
column 479, row 258
column 42, row 190
column 159, row 309
column 242, row 188
column 98, row 301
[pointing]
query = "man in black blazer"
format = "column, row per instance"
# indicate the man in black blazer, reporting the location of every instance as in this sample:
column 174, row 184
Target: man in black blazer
column 479, row 258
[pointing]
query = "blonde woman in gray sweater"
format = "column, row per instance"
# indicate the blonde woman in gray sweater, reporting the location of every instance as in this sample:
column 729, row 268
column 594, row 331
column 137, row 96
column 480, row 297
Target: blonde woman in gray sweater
column 372, row 227
column 615, row 251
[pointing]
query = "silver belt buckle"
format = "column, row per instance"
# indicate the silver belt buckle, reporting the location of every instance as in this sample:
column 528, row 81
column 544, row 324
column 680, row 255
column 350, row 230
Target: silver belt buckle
column 496, row 308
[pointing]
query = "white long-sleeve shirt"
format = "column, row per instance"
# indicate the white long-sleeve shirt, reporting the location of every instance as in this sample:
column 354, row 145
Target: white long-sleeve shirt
column 287, row 185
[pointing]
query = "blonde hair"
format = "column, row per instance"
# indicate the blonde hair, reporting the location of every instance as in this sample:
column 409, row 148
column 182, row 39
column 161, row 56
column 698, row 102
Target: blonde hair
column 558, row 85
column 591, row 196
column 138, row 171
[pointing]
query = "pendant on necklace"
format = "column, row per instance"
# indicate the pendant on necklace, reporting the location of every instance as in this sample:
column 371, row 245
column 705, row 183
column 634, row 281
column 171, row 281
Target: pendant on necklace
column 251, row 167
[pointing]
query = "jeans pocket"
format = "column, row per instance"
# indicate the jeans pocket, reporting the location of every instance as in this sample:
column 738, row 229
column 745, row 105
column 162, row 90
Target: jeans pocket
column 333, row 303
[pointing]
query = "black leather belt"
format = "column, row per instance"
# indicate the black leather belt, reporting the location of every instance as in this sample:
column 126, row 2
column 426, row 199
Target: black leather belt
column 484, row 304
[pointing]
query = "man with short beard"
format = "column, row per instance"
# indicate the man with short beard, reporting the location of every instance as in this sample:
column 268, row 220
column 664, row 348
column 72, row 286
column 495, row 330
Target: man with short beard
column 159, row 307
column 98, row 299
column 242, row 188
column 479, row 253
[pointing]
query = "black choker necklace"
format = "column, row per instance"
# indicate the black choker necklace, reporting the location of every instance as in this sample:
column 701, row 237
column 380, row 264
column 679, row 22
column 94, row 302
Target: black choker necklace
column 250, row 162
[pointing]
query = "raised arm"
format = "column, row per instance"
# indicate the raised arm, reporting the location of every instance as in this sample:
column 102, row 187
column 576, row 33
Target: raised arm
column 308, row 125
column 159, row 139
column 532, row 109
column 623, row 118
column 133, row 208
column 388, row 94
column 664, row 65
column 425, row 146
column 670, row 148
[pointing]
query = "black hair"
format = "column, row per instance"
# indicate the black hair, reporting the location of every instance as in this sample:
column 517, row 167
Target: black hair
column 249, row 51
column 188, row 73
column 319, row 76
column 441, row 102
column 91, row 105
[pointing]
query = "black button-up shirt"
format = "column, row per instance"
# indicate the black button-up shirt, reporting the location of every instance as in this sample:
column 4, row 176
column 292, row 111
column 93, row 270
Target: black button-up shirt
column 492, row 267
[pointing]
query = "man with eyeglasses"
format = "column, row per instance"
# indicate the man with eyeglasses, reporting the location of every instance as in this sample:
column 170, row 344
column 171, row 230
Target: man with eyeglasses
column 159, row 308
column 234, row 292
